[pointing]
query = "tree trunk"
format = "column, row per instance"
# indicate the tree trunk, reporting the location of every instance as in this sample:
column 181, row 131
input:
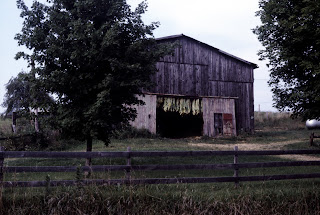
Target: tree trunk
column 14, row 122
column 36, row 123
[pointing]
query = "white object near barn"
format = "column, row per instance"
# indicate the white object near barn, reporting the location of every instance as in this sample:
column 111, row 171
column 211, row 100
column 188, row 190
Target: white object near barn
column 312, row 124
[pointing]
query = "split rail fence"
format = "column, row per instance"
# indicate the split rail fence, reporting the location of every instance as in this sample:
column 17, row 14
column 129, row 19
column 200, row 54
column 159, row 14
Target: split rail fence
column 128, row 155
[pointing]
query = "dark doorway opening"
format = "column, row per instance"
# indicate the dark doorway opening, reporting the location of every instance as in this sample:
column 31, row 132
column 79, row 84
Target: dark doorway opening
column 218, row 125
column 174, row 125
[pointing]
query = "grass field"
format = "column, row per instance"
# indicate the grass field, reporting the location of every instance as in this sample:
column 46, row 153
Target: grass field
column 273, row 197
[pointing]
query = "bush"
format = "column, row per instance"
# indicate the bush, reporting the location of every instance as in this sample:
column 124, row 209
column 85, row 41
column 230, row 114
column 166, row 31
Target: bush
column 132, row 132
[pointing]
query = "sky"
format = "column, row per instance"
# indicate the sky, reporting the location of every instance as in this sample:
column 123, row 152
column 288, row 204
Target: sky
column 226, row 25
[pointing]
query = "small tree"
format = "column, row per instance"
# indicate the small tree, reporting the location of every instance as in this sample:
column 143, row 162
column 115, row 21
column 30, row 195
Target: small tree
column 18, row 96
column 23, row 96
column 291, row 37
column 94, row 56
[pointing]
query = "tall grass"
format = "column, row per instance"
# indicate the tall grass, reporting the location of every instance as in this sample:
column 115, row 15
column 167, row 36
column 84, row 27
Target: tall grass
column 277, row 120
column 157, row 200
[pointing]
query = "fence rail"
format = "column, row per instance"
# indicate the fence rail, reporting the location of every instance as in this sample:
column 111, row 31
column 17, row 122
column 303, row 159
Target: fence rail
column 129, row 155
column 126, row 154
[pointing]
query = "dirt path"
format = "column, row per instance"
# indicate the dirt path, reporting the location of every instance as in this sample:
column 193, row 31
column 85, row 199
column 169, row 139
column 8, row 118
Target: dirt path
column 254, row 146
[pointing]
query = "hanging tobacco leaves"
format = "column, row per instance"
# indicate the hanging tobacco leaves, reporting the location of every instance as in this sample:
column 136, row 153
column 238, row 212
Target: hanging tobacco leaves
column 181, row 105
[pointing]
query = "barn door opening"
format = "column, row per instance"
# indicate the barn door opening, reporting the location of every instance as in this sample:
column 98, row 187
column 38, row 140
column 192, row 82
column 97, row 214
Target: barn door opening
column 218, row 125
column 179, row 117
column 174, row 125
column 227, row 124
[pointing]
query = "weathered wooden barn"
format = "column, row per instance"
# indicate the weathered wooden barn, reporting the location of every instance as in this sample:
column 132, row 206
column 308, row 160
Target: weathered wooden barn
column 199, row 90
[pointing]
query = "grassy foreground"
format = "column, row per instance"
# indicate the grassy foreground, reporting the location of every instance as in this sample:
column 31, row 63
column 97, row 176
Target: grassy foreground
column 272, row 197
column 157, row 200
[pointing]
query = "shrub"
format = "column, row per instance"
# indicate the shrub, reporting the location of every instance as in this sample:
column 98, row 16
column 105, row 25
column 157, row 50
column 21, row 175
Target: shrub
column 132, row 132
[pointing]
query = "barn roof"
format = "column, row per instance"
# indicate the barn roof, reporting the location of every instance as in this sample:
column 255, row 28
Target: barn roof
column 174, row 37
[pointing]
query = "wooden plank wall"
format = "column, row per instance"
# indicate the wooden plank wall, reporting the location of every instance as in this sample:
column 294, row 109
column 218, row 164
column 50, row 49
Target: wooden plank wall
column 197, row 69
column 146, row 114
column 210, row 107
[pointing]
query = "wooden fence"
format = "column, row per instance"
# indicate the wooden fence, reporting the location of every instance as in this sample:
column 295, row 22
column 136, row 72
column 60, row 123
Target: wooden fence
column 128, row 155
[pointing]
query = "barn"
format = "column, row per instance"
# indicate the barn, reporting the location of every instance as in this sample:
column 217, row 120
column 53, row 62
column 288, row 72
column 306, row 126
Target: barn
column 198, row 90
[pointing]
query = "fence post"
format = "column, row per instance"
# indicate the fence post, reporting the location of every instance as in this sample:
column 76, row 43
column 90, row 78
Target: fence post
column 236, row 169
column 311, row 138
column 1, row 163
column 128, row 171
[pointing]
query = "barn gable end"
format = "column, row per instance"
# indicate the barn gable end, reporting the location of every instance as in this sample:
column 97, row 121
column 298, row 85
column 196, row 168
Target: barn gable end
column 222, row 81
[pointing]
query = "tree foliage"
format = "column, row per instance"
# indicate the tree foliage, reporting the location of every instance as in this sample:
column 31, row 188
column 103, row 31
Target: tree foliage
column 291, row 37
column 94, row 56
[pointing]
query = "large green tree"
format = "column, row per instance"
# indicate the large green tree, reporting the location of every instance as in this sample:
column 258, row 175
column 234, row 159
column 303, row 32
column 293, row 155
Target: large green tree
column 93, row 56
column 290, row 33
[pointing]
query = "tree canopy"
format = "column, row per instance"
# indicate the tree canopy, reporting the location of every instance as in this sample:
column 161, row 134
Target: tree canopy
column 291, row 37
column 93, row 56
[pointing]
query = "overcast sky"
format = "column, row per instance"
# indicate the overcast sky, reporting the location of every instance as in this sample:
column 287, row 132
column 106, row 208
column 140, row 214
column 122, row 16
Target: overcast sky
column 226, row 25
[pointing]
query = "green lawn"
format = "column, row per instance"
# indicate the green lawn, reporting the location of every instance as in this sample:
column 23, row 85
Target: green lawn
column 299, row 139
column 274, row 197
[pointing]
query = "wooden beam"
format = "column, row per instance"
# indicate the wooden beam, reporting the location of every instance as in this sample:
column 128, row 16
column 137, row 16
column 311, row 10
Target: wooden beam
column 125, row 154
column 157, row 180
column 103, row 168
column 179, row 95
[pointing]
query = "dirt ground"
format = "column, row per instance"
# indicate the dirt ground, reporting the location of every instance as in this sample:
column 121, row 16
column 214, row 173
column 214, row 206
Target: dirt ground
column 257, row 147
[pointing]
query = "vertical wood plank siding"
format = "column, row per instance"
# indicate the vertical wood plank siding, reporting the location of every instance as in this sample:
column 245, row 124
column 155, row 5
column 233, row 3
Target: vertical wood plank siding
column 146, row 114
column 210, row 107
column 197, row 69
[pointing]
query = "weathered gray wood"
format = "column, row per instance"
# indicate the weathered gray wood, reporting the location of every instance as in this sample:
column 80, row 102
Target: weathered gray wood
column 102, row 168
column 146, row 114
column 128, row 169
column 97, row 168
column 278, row 177
column 210, row 107
column 186, row 96
column 180, row 153
column 206, row 71
column 158, row 180
column 311, row 138
column 26, row 154
column 34, row 154
column 236, row 169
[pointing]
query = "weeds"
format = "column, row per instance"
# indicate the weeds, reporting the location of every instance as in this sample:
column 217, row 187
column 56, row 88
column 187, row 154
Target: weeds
column 131, row 132
column 143, row 200
column 277, row 121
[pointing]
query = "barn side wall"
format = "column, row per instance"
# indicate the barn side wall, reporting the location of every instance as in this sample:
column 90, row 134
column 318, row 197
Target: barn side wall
column 196, row 69
column 210, row 107
column 146, row 114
